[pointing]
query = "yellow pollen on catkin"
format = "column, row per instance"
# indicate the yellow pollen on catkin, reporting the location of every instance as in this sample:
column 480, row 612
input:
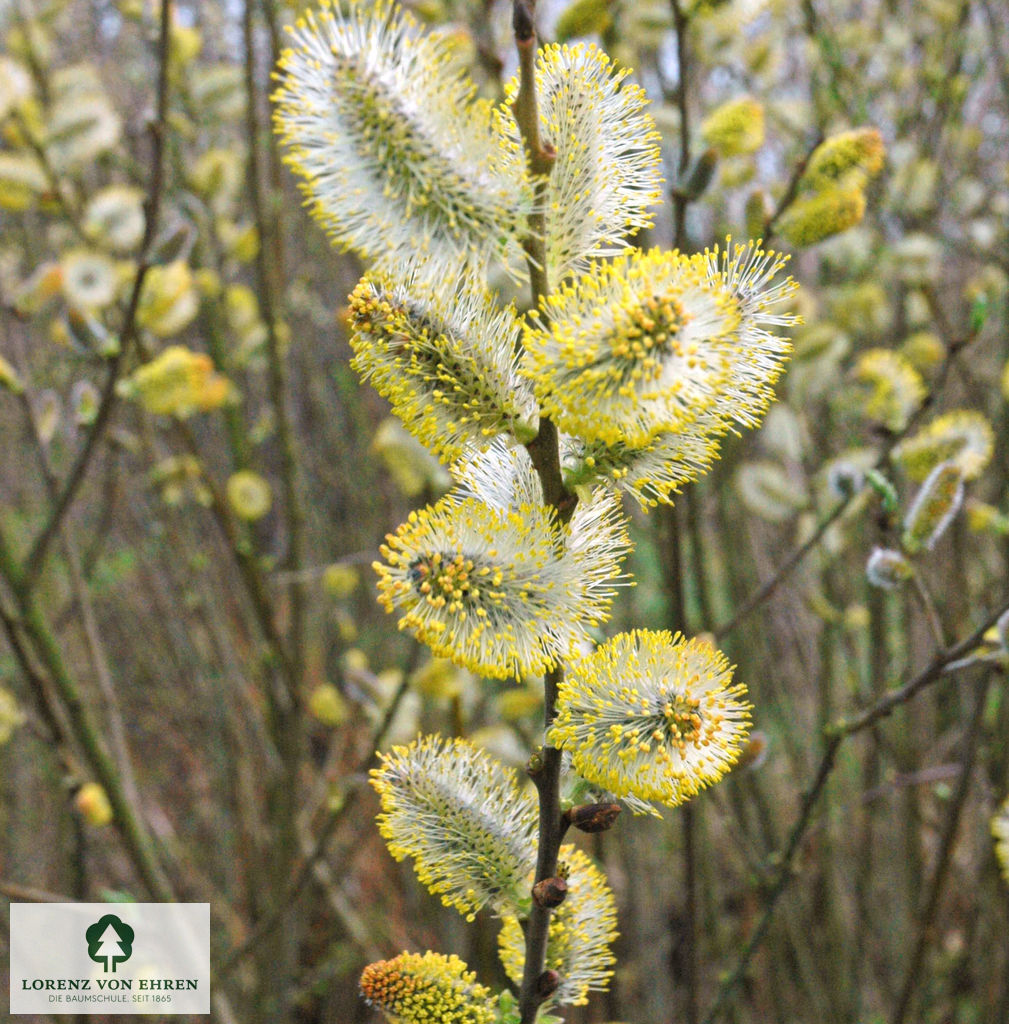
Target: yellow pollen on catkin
column 652, row 716
column 415, row 988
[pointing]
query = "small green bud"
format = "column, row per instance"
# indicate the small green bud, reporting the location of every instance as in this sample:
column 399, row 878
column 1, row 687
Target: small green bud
column 882, row 486
column 698, row 176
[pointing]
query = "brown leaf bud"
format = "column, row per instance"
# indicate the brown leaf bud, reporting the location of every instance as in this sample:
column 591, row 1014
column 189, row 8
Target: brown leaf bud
column 592, row 817
column 546, row 984
column 550, row 892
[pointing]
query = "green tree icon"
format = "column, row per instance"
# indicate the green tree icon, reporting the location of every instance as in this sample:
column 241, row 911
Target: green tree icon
column 110, row 940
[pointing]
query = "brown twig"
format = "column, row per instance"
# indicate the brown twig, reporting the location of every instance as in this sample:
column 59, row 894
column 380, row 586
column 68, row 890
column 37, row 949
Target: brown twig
column 792, row 188
column 954, row 348
column 545, row 455
column 835, row 735
column 680, row 200
column 313, row 851
column 784, row 876
column 944, row 856
column 135, row 835
column 935, row 669
column 266, row 229
column 89, row 624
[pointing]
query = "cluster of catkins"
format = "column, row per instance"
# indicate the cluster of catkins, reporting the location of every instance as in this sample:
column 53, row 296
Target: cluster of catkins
column 642, row 361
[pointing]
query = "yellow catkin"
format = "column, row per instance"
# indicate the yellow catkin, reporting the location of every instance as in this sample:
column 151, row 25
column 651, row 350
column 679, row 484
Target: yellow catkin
column 651, row 715
column 820, row 216
column 848, row 158
column 415, row 988
column 962, row 436
column 463, row 820
column 1000, row 832
column 735, row 128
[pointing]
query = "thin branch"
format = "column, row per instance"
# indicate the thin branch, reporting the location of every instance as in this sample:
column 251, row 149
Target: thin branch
column 89, row 625
column 792, row 188
column 277, row 382
column 954, row 348
column 64, row 200
column 312, row 852
column 936, row 668
column 250, row 572
column 944, row 856
column 689, row 816
column 545, row 455
column 766, row 589
column 680, row 200
column 784, row 876
column 1000, row 53
column 929, row 609
column 835, row 735
column 133, row 831
column 107, row 400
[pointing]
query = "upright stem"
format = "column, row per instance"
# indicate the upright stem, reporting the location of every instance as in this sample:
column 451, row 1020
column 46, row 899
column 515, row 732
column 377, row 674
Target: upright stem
column 937, row 884
column 674, row 570
column 680, row 201
column 545, row 455
column 268, row 275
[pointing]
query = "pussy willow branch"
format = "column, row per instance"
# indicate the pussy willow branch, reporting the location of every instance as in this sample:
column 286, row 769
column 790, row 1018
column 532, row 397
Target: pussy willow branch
column 311, row 854
column 944, row 856
column 89, row 625
column 128, row 331
column 954, row 348
column 680, row 201
column 935, row 669
column 267, row 274
column 673, row 576
column 136, row 838
column 836, row 734
column 545, row 456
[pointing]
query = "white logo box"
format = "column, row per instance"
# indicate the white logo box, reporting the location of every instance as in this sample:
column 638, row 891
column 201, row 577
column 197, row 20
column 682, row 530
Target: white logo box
column 110, row 958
